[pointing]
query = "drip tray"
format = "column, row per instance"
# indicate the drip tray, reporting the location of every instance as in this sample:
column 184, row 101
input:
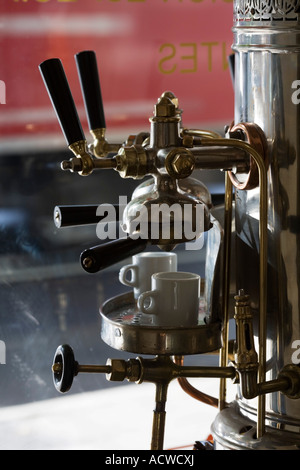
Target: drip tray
column 125, row 328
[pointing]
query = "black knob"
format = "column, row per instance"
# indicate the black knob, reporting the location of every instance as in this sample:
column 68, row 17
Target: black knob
column 100, row 257
column 64, row 368
column 60, row 95
column 90, row 85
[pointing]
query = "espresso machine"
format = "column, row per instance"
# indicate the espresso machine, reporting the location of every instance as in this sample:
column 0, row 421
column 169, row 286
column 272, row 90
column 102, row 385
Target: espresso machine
column 252, row 265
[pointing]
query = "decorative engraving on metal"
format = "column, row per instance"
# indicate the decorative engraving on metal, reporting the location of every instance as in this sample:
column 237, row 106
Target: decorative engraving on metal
column 266, row 10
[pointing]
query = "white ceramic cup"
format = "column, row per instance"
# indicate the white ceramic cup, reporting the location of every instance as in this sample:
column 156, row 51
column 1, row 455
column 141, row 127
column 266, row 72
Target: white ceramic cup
column 173, row 299
column 143, row 266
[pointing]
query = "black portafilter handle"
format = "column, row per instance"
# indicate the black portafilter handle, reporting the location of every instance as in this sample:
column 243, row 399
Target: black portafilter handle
column 100, row 257
column 91, row 90
column 60, row 95
column 72, row 216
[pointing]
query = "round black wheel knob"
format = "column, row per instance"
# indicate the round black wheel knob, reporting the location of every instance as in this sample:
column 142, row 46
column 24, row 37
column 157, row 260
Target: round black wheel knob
column 64, row 368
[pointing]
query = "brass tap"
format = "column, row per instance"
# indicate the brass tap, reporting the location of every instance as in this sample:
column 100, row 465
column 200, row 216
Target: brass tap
column 83, row 163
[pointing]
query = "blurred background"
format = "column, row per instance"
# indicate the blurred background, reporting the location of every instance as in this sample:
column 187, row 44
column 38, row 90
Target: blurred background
column 143, row 48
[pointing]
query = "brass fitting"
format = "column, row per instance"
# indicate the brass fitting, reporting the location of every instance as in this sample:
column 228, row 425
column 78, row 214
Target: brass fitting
column 245, row 354
column 100, row 147
column 83, row 162
column 165, row 107
column 246, row 358
column 121, row 370
column 291, row 373
column 180, row 163
column 132, row 162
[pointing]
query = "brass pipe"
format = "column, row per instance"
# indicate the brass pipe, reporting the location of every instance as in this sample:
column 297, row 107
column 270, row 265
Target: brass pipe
column 94, row 369
column 212, row 158
column 192, row 391
column 205, row 371
column 80, row 368
column 201, row 133
column 277, row 385
column 226, row 286
column 159, row 416
column 105, row 163
column 262, row 265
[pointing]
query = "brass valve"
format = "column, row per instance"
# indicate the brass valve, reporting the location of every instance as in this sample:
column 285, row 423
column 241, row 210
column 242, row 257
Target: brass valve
column 246, row 358
column 83, row 163
column 161, row 369
column 247, row 363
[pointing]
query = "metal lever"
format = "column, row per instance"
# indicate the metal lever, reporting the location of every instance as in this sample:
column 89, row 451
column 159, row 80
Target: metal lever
column 90, row 86
column 60, row 95
column 100, row 257
column 91, row 90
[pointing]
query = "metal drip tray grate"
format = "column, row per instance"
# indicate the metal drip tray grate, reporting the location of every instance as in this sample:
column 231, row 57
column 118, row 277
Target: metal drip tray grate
column 124, row 328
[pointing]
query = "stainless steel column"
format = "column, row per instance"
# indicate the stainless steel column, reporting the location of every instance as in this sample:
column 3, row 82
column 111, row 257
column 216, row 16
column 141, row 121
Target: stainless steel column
column 267, row 77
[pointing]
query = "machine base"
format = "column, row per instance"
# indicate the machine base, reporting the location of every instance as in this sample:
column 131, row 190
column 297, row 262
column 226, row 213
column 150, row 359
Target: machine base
column 233, row 431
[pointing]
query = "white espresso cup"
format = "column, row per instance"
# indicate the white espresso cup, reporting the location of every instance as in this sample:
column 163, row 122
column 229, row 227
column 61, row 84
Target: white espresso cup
column 173, row 299
column 143, row 266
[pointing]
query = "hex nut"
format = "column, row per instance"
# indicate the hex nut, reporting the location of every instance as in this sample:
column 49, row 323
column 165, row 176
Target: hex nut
column 180, row 163
column 183, row 164
column 165, row 108
column 118, row 372
column 134, row 370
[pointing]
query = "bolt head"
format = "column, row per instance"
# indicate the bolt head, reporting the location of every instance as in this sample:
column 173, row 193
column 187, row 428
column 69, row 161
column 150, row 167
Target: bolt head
column 183, row 164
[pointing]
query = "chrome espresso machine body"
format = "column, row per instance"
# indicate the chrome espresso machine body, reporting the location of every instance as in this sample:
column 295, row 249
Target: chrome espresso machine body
column 259, row 155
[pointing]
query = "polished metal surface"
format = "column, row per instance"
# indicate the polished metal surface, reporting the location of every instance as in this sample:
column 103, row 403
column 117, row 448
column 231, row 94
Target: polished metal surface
column 237, row 432
column 124, row 328
column 267, row 66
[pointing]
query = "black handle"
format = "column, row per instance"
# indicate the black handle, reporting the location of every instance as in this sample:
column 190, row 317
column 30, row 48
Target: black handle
column 59, row 91
column 100, row 257
column 71, row 216
column 90, row 85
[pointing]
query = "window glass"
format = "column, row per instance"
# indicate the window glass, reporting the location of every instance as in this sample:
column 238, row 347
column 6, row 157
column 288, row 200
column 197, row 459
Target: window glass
column 143, row 47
